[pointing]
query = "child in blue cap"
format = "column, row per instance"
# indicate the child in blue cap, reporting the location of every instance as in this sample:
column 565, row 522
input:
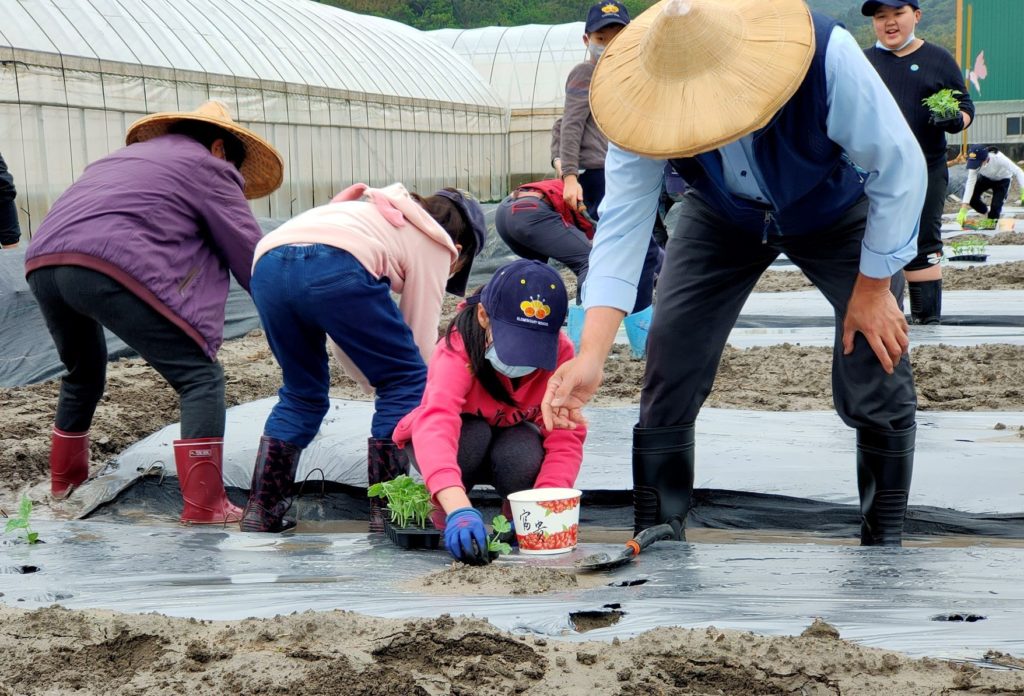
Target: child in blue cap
column 480, row 420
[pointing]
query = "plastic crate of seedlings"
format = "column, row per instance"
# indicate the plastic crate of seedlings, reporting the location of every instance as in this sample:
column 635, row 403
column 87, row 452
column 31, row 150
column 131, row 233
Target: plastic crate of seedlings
column 409, row 508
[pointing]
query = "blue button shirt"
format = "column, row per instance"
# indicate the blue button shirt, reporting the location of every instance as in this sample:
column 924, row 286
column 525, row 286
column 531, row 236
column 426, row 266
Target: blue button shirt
column 863, row 119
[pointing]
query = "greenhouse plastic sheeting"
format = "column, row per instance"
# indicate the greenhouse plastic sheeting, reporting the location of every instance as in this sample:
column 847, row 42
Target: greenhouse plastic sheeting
column 807, row 455
column 898, row 599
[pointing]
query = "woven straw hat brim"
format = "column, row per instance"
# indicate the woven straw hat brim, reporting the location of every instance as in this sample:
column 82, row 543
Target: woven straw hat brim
column 263, row 168
column 681, row 84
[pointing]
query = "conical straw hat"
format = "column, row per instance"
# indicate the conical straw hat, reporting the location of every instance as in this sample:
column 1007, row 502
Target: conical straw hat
column 688, row 76
column 263, row 168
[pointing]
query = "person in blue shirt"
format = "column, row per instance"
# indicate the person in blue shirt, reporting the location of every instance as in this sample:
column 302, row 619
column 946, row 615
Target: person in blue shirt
column 763, row 108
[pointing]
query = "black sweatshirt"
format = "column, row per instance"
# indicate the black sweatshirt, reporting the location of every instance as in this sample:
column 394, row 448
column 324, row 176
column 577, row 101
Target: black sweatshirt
column 912, row 78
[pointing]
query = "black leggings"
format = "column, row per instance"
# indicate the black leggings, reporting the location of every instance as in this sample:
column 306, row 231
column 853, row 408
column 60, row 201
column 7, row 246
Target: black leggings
column 508, row 458
column 77, row 303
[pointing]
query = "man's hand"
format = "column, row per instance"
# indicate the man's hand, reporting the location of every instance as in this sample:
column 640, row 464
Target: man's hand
column 873, row 311
column 569, row 389
column 576, row 380
column 961, row 217
column 572, row 191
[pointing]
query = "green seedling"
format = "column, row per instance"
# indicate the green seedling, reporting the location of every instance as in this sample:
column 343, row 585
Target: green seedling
column 408, row 501
column 964, row 246
column 943, row 104
column 20, row 521
column 500, row 525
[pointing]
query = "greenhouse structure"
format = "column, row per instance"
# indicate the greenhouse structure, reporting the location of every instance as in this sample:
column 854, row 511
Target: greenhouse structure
column 344, row 97
column 527, row 67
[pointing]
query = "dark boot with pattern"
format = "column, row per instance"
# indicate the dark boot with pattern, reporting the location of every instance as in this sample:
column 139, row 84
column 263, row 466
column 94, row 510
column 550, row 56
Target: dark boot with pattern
column 272, row 481
column 384, row 462
column 885, row 464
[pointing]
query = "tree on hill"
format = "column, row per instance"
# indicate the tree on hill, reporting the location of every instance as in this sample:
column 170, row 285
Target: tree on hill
column 938, row 23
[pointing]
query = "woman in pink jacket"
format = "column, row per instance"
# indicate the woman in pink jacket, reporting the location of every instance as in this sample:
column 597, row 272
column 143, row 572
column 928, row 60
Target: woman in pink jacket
column 329, row 273
column 480, row 419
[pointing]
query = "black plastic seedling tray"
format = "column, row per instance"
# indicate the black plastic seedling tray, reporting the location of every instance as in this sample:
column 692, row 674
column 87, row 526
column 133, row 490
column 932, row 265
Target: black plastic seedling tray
column 969, row 257
column 412, row 537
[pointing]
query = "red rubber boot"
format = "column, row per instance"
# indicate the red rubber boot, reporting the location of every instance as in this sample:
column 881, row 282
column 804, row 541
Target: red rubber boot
column 200, row 478
column 69, row 461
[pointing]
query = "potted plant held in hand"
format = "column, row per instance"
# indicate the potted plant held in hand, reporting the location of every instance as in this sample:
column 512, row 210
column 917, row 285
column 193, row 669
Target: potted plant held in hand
column 409, row 508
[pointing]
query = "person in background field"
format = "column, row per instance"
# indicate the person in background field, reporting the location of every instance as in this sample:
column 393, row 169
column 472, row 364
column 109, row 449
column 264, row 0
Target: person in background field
column 329, row 273
column 582, row 148
column 988, row 170
column 777, row 101
column 480, row 419
column 10, row 231
column 141, row 244
column 913, row 70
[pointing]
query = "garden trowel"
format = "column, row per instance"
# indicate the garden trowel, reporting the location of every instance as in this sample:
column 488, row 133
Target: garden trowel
column 605, row 561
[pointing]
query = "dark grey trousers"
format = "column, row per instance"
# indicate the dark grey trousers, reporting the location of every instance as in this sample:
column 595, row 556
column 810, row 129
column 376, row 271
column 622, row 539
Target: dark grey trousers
column 77, row 303
column 508, row 458
column 709, row 271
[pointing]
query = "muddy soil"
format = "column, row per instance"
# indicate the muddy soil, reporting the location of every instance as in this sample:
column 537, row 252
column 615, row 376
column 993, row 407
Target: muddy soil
column 55, row 651
column 501, row 578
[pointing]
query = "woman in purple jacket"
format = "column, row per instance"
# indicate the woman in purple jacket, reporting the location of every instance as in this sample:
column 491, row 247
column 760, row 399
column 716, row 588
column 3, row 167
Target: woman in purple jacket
column 141, row 244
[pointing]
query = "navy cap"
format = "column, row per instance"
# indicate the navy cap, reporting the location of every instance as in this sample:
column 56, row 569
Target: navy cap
column 474, row 215
column 869, row 8
column 604, row 14
column 976, row 156
column 527, row 303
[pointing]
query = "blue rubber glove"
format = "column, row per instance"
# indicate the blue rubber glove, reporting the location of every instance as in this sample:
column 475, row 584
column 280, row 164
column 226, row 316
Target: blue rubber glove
column 465, row 536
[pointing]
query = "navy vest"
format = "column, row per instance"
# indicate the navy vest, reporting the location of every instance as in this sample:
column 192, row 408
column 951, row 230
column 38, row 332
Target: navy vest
column 808, row 179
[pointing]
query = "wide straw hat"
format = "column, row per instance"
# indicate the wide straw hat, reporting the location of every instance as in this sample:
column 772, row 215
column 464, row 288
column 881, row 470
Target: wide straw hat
column 263, row 168
column 688, row 76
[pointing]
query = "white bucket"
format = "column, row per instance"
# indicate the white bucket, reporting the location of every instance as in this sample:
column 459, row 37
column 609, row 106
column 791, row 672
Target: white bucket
column 546, row 520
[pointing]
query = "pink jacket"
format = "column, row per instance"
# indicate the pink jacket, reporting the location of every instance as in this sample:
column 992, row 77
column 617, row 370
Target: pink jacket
column 392, row 236
column 452, row 390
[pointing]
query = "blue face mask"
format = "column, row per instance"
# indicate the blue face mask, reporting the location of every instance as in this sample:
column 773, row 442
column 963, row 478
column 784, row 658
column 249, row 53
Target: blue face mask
column 510, row 371
column 596, row 50
column 878, row 44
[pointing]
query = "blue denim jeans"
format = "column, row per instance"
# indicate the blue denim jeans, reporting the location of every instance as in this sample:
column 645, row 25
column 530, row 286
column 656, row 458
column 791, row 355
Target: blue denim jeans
column 307, row 293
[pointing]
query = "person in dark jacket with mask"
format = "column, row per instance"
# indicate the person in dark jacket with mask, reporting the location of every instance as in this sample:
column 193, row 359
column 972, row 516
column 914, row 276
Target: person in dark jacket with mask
column 914, row 70
column 762, row 108
column 142, row 244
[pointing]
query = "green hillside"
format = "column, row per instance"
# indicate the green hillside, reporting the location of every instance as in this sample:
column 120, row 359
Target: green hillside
column 937, row 24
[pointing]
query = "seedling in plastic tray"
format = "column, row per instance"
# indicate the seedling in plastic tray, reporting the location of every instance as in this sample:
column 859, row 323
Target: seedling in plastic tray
column 20, row 521
column 943, row 104
column 409, row 505
column 970, row 248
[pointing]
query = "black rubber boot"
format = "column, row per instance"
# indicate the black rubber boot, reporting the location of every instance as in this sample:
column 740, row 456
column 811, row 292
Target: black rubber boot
column 662, row 477
column 384, row 462
column 272, row 481
column 926, row 302
column 885, row 464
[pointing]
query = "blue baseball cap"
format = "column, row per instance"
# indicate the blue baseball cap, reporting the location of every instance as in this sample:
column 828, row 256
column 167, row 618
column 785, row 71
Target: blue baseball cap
column 976, row 156
column 527, row 303
column 869, row 8
column 474, row 214
column 604, row 14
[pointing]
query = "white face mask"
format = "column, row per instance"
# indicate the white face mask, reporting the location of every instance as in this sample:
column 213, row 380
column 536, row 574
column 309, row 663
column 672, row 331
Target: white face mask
column 906, row 43
column 510, row 371
column 596, row 50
